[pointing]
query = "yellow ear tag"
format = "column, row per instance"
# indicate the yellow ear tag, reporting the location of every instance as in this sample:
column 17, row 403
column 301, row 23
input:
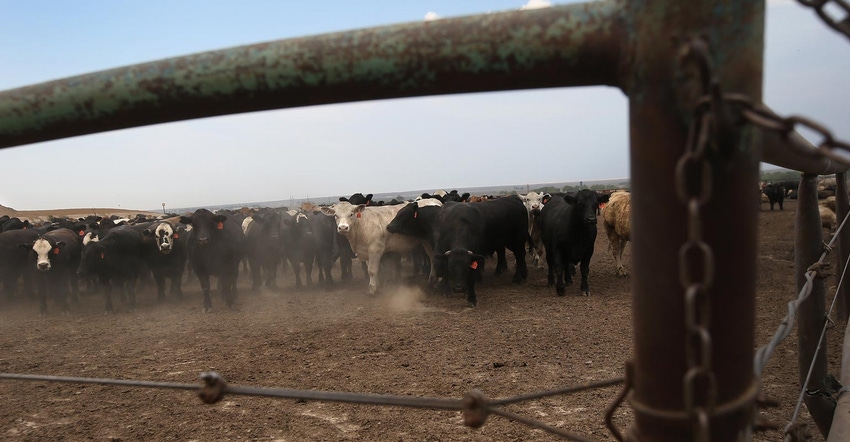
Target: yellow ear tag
column 474, row 265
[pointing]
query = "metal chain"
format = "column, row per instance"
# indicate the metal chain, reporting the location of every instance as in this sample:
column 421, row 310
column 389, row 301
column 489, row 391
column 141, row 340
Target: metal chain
column 763, row 117
column 842, row 26
column 696, row 258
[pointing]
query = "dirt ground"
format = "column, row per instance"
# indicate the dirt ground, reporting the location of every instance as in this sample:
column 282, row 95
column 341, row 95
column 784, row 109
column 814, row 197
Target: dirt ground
column 519, row 339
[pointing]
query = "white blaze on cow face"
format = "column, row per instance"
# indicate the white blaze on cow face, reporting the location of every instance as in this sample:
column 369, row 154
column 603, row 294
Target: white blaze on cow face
column 90, row 237
column 165, row 238
column 533, row 201
column 43, row 249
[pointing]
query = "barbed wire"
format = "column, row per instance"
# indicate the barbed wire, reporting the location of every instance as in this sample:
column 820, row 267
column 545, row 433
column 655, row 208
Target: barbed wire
column 826, row 324
column 474, row 405
column 765, row 352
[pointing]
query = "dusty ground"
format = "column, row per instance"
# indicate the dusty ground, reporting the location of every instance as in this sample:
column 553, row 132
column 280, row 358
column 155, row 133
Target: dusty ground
column 518, row 340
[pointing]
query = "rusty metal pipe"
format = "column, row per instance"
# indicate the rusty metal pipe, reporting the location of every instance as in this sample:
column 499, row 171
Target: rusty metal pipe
column 808, row 247
column 571, row 45
column 659, row 111
column 790, row 152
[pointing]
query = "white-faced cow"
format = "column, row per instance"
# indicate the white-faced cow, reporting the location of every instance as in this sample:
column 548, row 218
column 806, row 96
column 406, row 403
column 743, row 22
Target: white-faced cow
column 165, row 252
column 57, row 254
column 533, row 202
column 569, row 233
column 366, row 231
column 216, row 247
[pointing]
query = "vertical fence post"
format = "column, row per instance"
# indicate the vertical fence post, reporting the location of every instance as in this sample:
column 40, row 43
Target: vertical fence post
column 659, row 118
column 808, row 246
column 842, row 206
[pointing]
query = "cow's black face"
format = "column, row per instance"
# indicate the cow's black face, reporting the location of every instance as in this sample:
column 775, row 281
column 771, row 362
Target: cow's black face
column 204, row 225
column 462, row 267
column 586, row 203
column 94, row 255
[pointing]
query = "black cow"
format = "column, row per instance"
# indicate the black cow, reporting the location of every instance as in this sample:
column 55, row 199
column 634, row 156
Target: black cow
column 165, row 251
column 14, row 262
column 216, row 246
column 14, row 224
column 57, row 255
column 263, row 248
column 116, row 259
column 470, row 231
column 325, row 244
column 419, row 220
column 775, row 194
column 358, row 198
column 297, row 245
column 569, row 233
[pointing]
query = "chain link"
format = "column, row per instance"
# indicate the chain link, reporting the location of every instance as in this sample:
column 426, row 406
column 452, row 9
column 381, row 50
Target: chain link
column 842, row 26
column 694, row 185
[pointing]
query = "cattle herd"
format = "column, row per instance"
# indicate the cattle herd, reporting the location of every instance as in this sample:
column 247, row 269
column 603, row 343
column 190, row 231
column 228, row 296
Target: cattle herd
column 451, row 237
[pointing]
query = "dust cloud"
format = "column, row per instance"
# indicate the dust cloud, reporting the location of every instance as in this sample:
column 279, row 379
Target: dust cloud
column 405, row 299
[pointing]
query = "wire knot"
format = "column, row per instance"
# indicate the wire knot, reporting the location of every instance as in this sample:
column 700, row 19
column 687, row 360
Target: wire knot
column 475, row 409
column 213, row 389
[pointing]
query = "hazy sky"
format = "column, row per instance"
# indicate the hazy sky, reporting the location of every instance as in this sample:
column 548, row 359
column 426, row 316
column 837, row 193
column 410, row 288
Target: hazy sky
column 386, row 146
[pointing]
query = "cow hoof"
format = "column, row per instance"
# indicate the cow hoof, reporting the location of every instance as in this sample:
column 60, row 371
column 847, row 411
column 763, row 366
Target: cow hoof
column 560, row 290
column 585, row 293
column 206, row 310
column 108, row 312
column 471, row 304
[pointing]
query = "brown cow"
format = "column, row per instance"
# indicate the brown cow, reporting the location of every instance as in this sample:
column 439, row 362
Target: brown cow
column 616, row 219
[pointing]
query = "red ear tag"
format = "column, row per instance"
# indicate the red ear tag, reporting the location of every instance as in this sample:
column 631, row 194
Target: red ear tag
column 56, row 250
column 474, row 265
column 358, row 214
column 81, row 233
column 416, row 214
column 175, row 236
column 102, row 255
column 219, row 226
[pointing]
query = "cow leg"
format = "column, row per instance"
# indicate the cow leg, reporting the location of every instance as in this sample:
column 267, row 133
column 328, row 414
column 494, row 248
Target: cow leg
column 61, row 292
column 308, row 270
column 271, row 273
column 130, row 288
column 471, row 298
column 74, row 281
column 621, row 269
column 559, row 264
column 585, row 271
column 228, row 283
column 204, row 280
column 372, row 269
column 501, row 261
column 345, row 265
column 521, row 272
column 177, row 283
column 256, row 274
column 296, row 268
column 106, row 285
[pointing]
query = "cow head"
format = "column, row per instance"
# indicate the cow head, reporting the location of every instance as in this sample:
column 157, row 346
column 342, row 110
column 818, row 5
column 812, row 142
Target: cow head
column 205, row 225
column 585, row 201
column 269, row 223
column 164, row 234
column 93, row 257
column 346, row 215
column 44, row 249
column 533, row 202
column 460, row 267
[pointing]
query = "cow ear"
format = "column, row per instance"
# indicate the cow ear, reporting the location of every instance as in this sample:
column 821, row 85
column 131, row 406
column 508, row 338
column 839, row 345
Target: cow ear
column 219, row 218
column 359, row 208
column 465, row 196
column 94, row 225
column 186, row 220
column 25, row 246
column 328, row 211
column 570, row 199
column 60, row 244
column 343, row 199
column 147, row 232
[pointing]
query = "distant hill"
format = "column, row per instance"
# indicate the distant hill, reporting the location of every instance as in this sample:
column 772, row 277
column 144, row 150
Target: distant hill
column 614, row 183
